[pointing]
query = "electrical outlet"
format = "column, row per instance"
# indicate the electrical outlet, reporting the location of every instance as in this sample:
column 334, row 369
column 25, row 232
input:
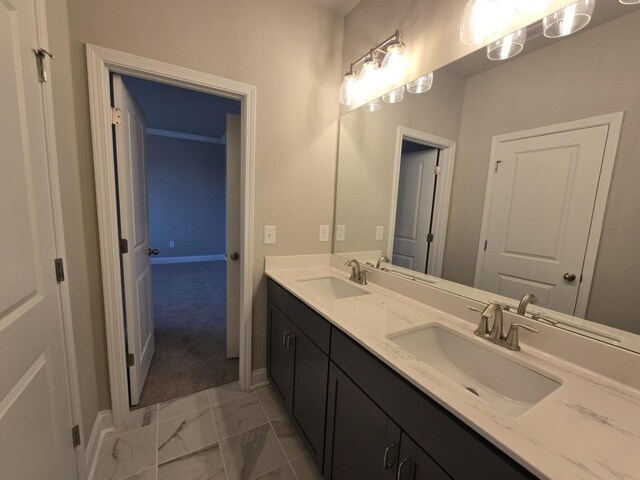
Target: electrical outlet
column 324, row 233
column 269, row 234
column 340, row 233
column 379, row 233
column 172, row 244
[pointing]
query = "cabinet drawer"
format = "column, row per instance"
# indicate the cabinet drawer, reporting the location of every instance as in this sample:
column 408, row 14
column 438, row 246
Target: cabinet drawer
column 313, row 325
column 461, row 452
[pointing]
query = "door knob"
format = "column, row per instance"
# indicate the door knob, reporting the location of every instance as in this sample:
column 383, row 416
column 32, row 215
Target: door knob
column 152, row 251
column 569, row 277
column 234, row 256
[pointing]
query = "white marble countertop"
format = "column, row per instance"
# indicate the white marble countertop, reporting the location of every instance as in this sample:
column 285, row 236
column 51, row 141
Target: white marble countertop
column 588, row 428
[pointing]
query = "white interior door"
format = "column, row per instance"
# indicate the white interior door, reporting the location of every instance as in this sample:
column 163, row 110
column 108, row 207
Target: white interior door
column 233, row 235
column 413, row 212
column 136, row 269
column 35, row 408
column 541, row 208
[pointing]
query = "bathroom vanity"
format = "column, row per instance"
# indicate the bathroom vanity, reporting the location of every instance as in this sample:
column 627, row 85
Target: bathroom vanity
column 380, row 389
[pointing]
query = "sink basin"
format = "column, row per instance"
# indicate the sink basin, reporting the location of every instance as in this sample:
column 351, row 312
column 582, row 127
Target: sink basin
column 331, row 288
column 508, row 386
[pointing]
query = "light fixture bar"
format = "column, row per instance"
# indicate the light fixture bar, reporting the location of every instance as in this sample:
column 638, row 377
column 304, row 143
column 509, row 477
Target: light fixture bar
column 395, row 38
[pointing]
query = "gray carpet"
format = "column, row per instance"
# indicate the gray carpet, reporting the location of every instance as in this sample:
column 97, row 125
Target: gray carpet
column 189, row 307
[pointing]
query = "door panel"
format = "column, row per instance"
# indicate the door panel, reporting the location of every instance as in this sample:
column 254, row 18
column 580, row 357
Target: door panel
column 35, row 411
column 415, row 464
column 132, row 191
column 413, row 212
column 534, row 239
column 280, row 361
column 233, row 234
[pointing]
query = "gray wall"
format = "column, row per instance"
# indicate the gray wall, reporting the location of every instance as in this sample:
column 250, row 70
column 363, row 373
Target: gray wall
column 592, row 73
column 186, row 196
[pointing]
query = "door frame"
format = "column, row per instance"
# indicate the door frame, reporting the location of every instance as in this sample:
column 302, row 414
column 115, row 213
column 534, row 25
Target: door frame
column 614, row 122
column 443, row 190
column 101, row 62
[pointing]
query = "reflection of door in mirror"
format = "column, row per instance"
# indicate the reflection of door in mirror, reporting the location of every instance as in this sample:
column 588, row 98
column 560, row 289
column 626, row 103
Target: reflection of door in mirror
column 538, row 215
column 414, row 212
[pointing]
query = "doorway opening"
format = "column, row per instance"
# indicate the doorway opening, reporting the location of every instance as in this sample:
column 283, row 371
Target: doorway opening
column 177, row 163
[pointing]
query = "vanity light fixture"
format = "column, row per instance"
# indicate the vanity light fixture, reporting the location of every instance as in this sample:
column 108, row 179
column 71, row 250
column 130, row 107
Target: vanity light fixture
column 508, row 46
column 394, row 96
column 568, row 20
column 372, row 106
column 360, row 86
column 479, row 21
column 630, row 2
column 421, row 84
column 531, row 7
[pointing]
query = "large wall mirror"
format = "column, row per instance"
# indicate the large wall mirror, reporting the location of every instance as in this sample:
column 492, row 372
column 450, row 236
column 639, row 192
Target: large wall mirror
column 511, row 177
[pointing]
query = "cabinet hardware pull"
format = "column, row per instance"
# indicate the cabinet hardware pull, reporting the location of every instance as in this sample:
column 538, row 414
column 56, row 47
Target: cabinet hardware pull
column 400, row 467
column 289, row 338
column 284, row 338
column 385, row 460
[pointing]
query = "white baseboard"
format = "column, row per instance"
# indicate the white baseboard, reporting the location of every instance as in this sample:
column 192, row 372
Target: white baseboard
column 259, row 378
column 102, row 426
column 190, row 259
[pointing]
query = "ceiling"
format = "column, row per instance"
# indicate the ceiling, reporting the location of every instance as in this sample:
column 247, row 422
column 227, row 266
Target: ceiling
column 166, row 107
column 341, row 7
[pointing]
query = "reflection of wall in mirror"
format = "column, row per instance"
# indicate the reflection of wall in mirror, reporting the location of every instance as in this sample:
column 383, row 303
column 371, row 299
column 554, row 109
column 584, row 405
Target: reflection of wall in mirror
column 592, row 73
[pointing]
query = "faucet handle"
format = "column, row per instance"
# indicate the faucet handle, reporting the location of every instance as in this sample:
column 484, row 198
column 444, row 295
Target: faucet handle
column 512, row 341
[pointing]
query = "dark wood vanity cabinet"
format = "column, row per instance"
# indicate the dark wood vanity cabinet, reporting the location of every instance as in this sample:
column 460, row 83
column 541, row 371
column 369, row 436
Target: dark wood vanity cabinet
column 358, row 417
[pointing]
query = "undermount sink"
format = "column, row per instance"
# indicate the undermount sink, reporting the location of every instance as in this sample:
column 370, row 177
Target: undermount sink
column 508, row 386
column 331, row 288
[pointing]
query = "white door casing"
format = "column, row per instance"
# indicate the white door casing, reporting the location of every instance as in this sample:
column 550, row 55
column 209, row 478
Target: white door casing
column 233, row 160
column 35, row 399
column 136, row 268
column 413, row 217
column 539, row 215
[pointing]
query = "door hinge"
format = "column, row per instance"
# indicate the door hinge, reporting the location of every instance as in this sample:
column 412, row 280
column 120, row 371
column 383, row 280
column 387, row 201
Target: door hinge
column 437, row 170
column 116, row 116
column 75, row 434
column 131, row 359
column 42, row 55
column 485, row 245
column 59, row 266
column 430, row 237
column 497, row 165
column 124, row 245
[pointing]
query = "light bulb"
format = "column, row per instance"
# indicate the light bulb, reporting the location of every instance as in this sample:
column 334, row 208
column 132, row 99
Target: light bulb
column 479, row 21
column 531, row 7
column 348, row 89
column 508, row 46
column 394, row 62
column 394, row 96
column 373, row 105
column 421, row 84
column 568, row 20
column 369, row 77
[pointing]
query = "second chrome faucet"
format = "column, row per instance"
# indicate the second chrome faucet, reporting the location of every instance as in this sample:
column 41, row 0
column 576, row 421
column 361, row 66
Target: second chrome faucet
column 496, row 334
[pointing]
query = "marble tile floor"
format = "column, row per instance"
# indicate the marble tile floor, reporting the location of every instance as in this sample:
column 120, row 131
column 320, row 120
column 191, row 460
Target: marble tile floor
column 217, row 434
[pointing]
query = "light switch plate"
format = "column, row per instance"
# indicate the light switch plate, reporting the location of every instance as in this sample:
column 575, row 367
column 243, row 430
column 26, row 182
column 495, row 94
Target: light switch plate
column 379, row 233
column 269, row 234
column 324, row 233
column 340, row 233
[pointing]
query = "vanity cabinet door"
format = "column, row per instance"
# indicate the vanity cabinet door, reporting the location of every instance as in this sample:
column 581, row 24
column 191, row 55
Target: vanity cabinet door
column 280, row 354
column 362, row 441
column 415, row 464
column 311, row 371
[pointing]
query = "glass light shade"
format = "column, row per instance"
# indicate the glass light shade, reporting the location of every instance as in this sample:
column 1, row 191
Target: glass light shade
column 568, row 20
column 531, row 7
column 508, row 46
column 349, row 89
column 373, row 105
column 421, row 84
column 394, row 62
column 368, row 80
column 394, row 96
column 630, row 2
column 479, row 21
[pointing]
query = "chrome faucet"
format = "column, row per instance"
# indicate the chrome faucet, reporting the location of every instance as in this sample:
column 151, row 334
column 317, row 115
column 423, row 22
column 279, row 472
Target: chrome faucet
column 496, row 334
column 358, row 274
column 384, row 259
column 527, row 299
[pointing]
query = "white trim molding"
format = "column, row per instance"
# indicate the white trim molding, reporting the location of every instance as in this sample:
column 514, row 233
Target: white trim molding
column 259, row 378
column 188, row 259
column 186, row 136
column 443, row 191
column 614, row 122
column 101, row 62
column 101, row 427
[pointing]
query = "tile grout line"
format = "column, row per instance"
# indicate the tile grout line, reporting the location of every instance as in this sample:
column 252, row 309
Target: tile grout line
column 235, row 434
column 224, row 464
